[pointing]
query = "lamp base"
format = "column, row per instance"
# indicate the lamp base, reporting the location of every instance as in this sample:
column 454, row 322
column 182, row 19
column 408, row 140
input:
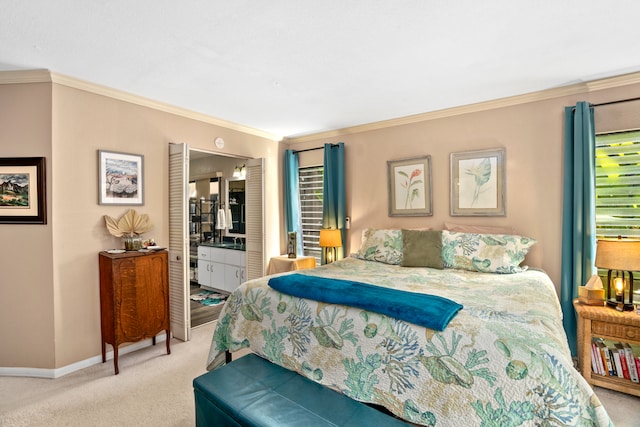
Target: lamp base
column 619, row 305
column 329, row 254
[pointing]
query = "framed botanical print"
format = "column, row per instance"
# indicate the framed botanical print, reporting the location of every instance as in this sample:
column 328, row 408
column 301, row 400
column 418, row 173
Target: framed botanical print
column 23, row 190
column 410, row 187
column 120, row 178
column 478, row 183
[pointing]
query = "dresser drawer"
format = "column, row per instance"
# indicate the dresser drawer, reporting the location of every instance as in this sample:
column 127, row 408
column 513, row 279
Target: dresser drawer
column 615, row 330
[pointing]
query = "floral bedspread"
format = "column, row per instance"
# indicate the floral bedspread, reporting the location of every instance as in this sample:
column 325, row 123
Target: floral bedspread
column 502, row 361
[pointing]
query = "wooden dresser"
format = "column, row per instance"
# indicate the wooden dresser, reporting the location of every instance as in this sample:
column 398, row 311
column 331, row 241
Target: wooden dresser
column 134, row 298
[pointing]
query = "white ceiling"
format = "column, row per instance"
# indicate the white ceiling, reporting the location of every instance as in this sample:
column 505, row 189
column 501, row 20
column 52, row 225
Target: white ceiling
column 295, row 67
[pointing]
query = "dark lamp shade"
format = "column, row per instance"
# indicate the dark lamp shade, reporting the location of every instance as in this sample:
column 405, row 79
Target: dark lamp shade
column 330, row 238
column 623, row 255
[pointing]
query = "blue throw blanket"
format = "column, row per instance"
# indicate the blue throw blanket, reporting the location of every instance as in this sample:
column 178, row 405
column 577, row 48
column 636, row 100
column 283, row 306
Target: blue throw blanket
column 430, row 311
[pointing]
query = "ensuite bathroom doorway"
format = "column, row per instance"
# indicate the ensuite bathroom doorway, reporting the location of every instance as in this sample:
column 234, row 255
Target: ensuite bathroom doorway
column 207, row 175
column 181, row 243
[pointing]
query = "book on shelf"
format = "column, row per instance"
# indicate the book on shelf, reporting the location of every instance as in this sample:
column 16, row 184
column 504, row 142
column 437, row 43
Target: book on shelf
column 615, row 359
column 631, row 362
column 608, row 364
column 621, row 361
column 596, row 360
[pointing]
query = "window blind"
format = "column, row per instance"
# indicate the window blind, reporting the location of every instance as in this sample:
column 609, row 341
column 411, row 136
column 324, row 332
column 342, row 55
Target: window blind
column 618, row 185
column 311, row 196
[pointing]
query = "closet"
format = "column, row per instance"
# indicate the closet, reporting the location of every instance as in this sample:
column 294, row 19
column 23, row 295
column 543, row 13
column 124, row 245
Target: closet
column 189, row 168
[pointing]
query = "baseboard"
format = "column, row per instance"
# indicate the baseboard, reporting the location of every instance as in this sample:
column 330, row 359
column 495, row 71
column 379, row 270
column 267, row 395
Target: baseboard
column 65, row 370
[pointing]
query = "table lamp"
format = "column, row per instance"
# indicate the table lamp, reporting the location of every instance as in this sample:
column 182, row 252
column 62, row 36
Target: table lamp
column 292, row 244
column 330, row 239
column 621, row 258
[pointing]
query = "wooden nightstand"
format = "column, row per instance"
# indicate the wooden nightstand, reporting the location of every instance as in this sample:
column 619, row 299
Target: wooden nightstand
column 280, row 264
column 609, row 324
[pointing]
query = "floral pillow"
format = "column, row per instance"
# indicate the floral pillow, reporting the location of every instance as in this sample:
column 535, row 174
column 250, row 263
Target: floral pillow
column 487, row 253
column 382, row 245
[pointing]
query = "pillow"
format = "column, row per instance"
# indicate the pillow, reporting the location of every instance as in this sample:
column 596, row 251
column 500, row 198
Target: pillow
column 480, row 229
column 487, row 253
column 382, row 245
column 422, row 248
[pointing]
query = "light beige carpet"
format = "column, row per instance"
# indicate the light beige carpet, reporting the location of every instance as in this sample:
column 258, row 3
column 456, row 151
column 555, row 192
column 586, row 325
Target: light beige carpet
column 152, row 389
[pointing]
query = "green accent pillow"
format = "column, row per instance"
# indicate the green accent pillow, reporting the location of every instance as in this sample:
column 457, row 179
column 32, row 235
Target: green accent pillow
column 422, row 248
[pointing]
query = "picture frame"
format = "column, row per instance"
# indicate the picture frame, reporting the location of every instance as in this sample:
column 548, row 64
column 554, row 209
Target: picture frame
column 23, row 190
column 478, row 183
column 120, row 178
column 410, row 187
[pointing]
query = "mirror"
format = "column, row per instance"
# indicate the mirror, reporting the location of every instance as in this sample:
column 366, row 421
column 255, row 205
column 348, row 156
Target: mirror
column 235, row 191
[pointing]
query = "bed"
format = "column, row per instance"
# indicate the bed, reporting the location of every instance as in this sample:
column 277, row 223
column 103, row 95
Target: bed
column 503, row 359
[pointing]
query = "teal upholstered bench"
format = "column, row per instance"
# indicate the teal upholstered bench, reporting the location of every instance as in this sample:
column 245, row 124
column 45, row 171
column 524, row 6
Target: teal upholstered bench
column 251, row 391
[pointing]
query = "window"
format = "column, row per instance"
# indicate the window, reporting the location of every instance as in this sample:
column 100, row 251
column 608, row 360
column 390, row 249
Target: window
column 311, row 192
column 618, row 185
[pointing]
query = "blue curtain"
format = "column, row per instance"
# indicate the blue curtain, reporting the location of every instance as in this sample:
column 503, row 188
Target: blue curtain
column 334, row 210
column 578, row 213
column 293, row 217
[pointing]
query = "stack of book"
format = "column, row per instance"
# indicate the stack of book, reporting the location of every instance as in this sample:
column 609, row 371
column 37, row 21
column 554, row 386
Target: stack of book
column 615, row 359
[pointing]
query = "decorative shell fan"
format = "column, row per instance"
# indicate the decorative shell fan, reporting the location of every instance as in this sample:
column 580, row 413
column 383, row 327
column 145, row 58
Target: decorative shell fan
column 130, row 223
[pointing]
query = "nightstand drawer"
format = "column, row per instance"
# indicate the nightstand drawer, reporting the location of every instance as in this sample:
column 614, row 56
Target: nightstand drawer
column 615, row 330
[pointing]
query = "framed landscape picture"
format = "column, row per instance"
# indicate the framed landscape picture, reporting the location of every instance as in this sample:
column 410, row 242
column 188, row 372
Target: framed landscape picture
column 120, row 178
column 410, row 187
column 478, row 183
column 23, row 190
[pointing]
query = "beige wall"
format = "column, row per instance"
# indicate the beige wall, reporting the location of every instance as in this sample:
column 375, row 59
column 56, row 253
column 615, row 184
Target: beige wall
column 531, row 133
column 26, row 267
column 49, row 300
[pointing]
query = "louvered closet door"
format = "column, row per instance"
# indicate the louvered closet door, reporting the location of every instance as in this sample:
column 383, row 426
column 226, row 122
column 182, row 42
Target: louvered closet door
column 254, row 210
column 179, row 241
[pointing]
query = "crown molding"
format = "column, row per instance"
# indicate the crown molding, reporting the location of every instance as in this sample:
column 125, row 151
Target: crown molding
column 612, row 82
column 43, row 76
column 46, row 76
column 543, row 95
column 25, row 76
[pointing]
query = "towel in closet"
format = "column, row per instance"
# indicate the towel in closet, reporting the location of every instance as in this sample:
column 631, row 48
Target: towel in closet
column 229, row 219
column 221, row 220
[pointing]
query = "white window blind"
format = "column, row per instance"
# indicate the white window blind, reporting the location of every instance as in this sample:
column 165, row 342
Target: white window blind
column 311, row 192
column 618, row 185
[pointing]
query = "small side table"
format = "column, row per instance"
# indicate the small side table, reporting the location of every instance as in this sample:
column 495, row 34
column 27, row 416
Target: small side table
column 610, row 324
column 281, row 264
